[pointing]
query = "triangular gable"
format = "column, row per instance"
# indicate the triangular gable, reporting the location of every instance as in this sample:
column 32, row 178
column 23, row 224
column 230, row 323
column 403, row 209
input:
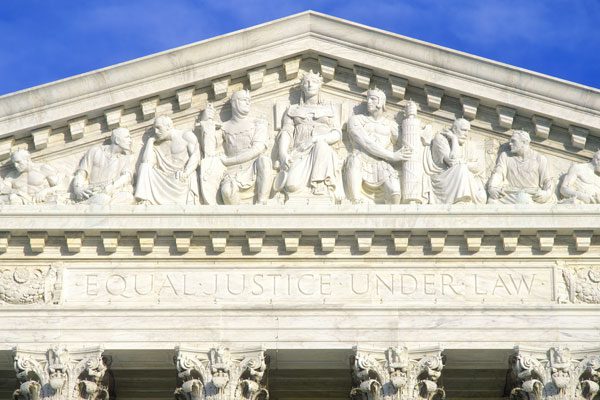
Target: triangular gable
column 499, row 95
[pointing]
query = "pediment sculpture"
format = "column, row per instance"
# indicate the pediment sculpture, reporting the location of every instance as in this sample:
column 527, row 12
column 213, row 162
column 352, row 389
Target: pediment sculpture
column 241, row 170
column 168, row 170
column 521, row 174
column 455, row 177
column 29, row 182
column 105, row 172
column 306, row 158
column 372, row 167
column 581, row 184
column 317, row 156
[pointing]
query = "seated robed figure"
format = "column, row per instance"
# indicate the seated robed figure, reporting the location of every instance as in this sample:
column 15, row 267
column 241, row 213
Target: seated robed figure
column 306, row 158
column 243, row 171
column 521, row 175
column 168, row 171
column 105, row 172
column 454, row 173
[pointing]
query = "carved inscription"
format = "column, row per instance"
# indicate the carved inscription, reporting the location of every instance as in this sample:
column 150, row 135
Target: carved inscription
column 477, row 285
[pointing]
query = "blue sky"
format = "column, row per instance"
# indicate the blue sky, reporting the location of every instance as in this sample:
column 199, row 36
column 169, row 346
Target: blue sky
column 46, row 40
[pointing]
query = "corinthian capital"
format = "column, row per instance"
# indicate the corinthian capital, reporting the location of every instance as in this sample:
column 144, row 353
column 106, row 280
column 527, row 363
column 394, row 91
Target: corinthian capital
column 557, row 373
column 60, row 373
column 397, row 373
column 220, row 373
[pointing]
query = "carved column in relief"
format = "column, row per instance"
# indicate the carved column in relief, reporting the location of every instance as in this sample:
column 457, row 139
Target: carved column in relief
column 60, row 374
column 412, row 169
column 557, row 374
column 220, row 374
column 397, row 373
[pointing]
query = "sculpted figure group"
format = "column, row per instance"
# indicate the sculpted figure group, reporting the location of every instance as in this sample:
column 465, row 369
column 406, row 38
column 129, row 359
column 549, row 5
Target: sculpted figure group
column 236, row 162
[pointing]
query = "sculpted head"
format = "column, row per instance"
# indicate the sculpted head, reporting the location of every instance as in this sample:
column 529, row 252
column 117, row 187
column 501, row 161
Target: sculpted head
column 519, row 142
column 163, row 125
column 311, row 84
column 596, row 162
column 461, row 128
column 21, row 160
column 121, row 137
column 375, row 100
column 240, row 103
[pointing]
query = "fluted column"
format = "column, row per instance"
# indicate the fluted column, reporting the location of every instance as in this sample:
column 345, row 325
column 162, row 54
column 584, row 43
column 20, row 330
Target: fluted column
column 63, row 374
column 220, row 374
column 397, row 373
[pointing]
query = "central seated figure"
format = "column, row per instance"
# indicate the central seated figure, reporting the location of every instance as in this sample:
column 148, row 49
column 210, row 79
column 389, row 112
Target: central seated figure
column 307, row 160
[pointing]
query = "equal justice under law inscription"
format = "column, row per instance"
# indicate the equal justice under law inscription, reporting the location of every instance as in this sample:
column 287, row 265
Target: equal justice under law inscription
column 345, row 285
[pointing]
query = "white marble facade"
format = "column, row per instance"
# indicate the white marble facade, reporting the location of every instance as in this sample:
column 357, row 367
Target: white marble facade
column 329, row 198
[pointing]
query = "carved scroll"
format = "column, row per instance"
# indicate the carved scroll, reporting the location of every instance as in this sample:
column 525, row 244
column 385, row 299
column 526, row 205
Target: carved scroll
column 30, row 285
column 60, row 374
column 529, row 374
column 220, row 374
column 396, row 373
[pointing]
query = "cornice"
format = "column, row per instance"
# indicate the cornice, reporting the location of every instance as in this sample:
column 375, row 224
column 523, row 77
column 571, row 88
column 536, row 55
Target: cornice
column 429, row 227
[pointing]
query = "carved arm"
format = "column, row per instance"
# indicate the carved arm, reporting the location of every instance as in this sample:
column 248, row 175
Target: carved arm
column 258, row 146
column 359, row 136
column 193, row 149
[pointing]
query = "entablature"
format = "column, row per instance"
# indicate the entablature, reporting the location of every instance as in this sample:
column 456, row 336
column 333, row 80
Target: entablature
column 431, row 230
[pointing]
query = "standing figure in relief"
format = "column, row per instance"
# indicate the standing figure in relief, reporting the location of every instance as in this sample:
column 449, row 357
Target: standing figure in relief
column 167, row 173
column 29, row 182
column 306, row 156
column 105, row 172
column 521, row 175
column 454, row 177
column 247, row 171
column 370, row 167
column 582, row 183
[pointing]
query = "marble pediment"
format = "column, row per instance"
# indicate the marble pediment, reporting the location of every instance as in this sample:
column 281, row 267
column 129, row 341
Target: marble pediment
column 59, row 122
